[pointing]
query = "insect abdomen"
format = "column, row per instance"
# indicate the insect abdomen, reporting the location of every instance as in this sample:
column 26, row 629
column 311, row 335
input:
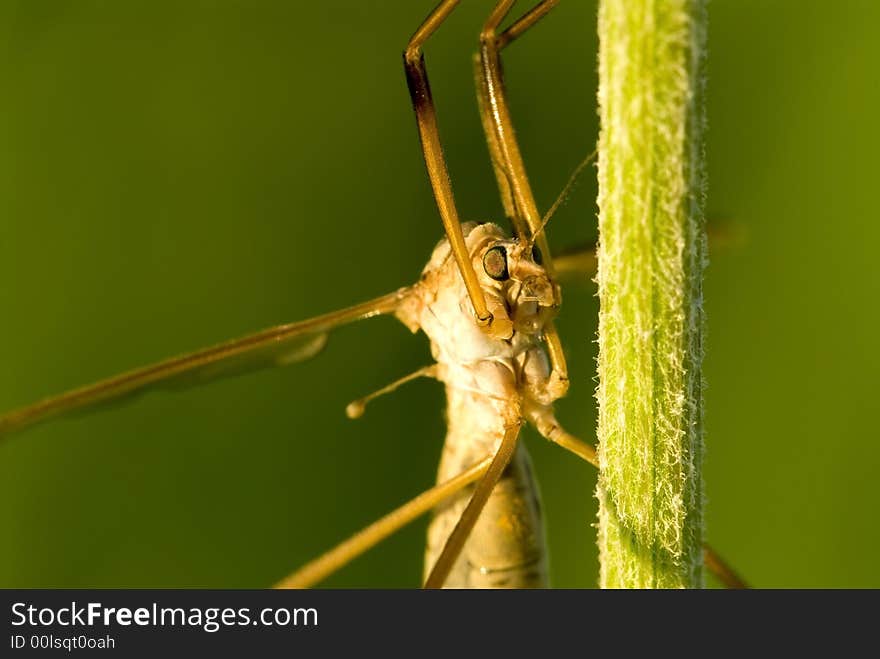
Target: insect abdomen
column 506, row 548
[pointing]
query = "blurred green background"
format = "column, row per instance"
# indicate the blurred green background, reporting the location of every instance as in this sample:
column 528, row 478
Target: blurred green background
column 179, row 173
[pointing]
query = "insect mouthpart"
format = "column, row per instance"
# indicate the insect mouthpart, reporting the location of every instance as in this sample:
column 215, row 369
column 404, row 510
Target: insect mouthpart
column 537, row 288
column 534, row 303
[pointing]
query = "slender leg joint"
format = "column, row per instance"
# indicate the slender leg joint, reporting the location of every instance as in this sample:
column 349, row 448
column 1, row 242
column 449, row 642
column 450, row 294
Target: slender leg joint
column 484, row 321
column 546, row 424
column 490, row 27
column 559, row 368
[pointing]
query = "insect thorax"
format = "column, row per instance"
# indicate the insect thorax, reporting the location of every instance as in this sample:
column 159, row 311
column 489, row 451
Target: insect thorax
column 501, row 370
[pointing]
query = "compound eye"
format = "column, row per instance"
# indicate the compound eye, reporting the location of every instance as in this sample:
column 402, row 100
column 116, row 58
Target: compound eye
column 537, row 257
column 495, row 263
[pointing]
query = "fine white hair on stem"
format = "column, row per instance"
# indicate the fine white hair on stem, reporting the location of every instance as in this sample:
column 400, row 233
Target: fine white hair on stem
column 651, row 256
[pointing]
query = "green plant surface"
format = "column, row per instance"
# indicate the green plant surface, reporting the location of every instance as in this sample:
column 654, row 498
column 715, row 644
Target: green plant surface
column 651, row 256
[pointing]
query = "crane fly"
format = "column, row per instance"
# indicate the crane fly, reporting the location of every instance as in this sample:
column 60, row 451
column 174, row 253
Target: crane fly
column 487, row 301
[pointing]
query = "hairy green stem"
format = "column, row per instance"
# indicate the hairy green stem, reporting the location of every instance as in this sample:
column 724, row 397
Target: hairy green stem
column 651, row 256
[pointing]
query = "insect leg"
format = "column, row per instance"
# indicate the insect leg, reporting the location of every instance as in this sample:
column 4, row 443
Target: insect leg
column 343, row 553
column 526, row 21
column 542, row 418
column 717, row 566
column 432, row 149
column 546, row 424
column 510, row 170
column 578, row 264
column 464, row 526
column 513, row 183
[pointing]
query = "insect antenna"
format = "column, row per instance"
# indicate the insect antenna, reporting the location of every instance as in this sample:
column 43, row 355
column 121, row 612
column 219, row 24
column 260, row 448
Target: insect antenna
column 563, row 196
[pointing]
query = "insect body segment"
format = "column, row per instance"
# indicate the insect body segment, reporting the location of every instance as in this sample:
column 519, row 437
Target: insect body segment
column 490, row 383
